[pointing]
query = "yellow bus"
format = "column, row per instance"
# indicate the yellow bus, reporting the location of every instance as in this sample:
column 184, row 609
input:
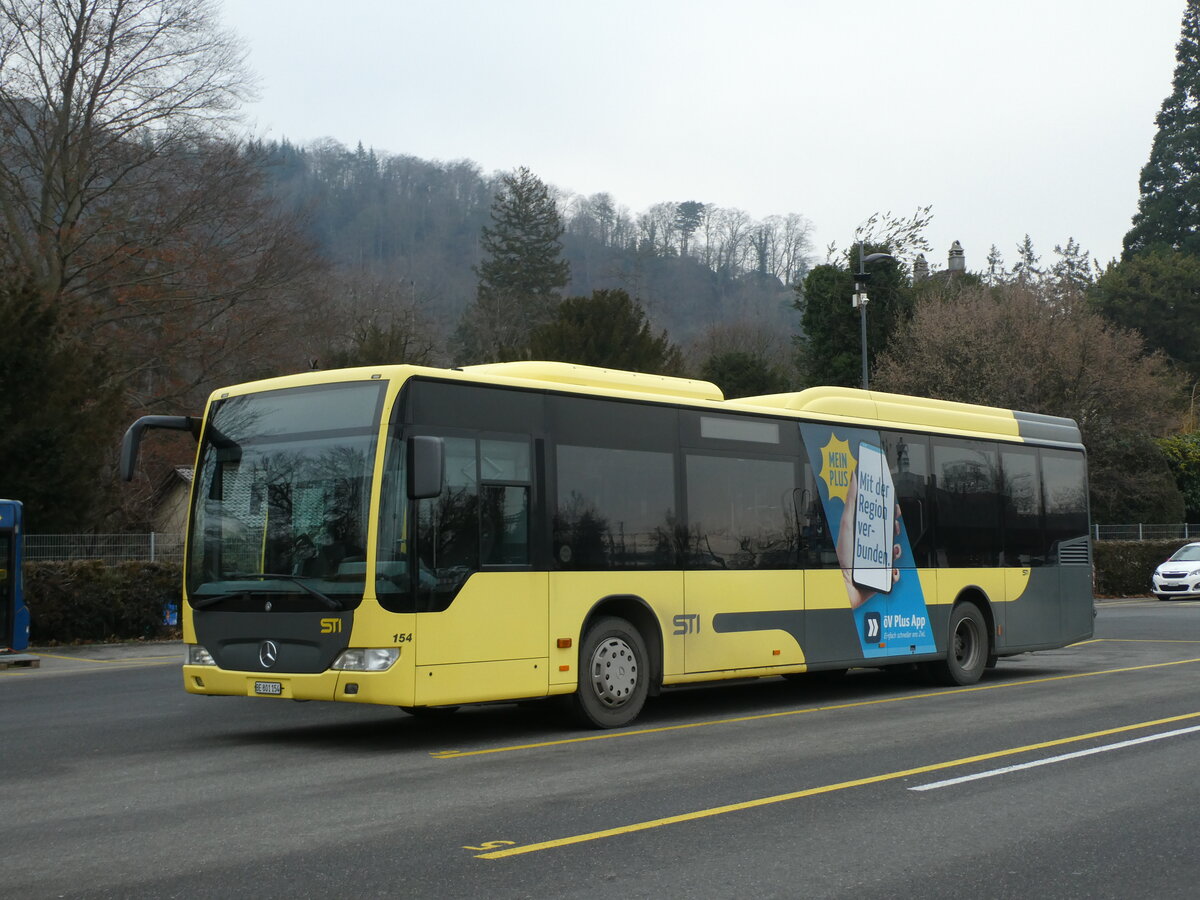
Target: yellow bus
column 427, row 538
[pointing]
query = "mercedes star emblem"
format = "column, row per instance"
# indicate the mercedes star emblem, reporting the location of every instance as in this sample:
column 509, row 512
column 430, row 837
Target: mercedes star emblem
column 268, row 652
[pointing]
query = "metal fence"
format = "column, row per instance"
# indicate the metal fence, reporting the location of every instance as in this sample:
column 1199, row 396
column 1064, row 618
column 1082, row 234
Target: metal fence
column 168, row 547
column 1182, row 532
column 109, row 548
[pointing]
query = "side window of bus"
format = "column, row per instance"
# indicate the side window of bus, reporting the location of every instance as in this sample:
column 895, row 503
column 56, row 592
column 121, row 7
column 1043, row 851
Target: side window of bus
column 615, row 509
column 908, row 459
column 480, row 519
column 812, row 528
column 1064, row 484
column 448, row 526
column 741, row 513
column 613, row 474
column 504, row 503
column 1021, row 492
column 967, row 482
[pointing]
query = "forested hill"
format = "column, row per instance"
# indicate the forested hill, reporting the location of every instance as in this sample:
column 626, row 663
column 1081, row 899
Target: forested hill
column 416, row 224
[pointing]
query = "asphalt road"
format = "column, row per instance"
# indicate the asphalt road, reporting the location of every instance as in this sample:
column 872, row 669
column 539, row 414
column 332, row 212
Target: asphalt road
column 1083, row 770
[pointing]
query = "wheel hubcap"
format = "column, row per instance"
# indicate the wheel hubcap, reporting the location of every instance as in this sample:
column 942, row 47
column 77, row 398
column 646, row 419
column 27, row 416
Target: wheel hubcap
column 966, row 643
column 613, row 671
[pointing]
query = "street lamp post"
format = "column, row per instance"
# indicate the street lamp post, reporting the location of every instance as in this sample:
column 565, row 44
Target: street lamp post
column 860, row 299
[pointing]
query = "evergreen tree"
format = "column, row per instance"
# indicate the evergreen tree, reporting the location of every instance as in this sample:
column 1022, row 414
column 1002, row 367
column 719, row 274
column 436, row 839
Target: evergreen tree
column 688, row 216
column 1183, row 456
column 1026, row 269
column 1157, row 293
column 739, row 373
column 522, row 274
column 607, row 329
column 831, row 345
column 1170, row 181
column 1073, row 270
column 61, row 413
column 996, row 273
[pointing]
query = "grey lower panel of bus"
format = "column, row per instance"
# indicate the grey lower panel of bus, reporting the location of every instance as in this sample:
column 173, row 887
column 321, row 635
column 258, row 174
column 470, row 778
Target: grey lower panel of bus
column 828, row 636
column 1038, row 619
column 300, row 642
column 1041, row 617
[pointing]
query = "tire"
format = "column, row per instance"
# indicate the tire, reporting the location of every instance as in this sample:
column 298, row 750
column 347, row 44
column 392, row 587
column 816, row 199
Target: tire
column 614, row 674
column 967, row 649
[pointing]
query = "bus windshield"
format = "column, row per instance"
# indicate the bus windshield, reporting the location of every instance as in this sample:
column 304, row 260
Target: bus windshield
column 282, row 494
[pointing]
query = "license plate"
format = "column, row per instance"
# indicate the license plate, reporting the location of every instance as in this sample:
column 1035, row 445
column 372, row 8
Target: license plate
column 273, row 688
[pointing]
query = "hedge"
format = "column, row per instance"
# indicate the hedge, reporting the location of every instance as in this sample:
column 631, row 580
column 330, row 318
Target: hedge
column 1123, row 568
column 88, row 600
column 83, row 601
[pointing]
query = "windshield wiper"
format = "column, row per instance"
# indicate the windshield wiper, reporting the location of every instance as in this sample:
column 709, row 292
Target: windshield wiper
column 297, row 580
column 214, row 599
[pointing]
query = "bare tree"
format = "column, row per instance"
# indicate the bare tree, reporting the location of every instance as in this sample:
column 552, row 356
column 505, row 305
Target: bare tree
column 95, row 92
column 658, row 228
column 904, row 238
column 749, row 336
column 733, row 244
column 382, row 320
column 795, row 247
column 123, row 197
column 1020, row 346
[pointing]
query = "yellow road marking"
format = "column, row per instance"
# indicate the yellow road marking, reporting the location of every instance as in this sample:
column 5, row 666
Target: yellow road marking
column 102, row 665
column 174, row 657
column 609, row 736
column 824, row 789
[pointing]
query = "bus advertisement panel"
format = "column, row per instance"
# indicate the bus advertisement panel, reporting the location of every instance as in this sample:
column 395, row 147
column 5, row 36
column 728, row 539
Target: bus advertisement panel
column 858, row 497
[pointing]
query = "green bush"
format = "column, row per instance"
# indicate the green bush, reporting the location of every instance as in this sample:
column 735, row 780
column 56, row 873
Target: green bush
column 1123, row 568
column 88, row 600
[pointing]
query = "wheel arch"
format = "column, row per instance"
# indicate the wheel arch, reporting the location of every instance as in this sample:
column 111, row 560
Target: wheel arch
column 637, row 612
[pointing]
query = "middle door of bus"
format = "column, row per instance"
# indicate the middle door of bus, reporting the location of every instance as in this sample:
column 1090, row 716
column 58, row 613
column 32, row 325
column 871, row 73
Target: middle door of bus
column 743, row 589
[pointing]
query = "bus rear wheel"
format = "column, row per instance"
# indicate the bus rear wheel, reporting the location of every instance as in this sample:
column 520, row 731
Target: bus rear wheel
column 613, row 674
column 967, row 651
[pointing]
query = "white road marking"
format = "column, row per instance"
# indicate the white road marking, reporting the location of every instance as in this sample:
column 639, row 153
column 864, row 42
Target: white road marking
column 1054, row 759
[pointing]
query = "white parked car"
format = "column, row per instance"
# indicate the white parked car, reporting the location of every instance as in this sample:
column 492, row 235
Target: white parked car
column 1179, row 576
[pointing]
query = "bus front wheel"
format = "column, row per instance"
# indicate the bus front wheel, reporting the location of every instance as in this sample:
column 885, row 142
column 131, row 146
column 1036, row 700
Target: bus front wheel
column 967, row 652
column 614, row 674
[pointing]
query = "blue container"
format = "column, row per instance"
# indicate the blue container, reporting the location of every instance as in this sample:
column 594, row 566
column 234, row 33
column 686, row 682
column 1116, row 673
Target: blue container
column 14, row 615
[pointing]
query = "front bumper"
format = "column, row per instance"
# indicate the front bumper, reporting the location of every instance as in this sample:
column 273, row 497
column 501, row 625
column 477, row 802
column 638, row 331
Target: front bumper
column 1187, row 588
column 390, row 688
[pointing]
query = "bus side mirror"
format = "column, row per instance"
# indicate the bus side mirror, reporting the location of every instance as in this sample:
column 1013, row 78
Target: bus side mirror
column 426, row 467
column 133, row 437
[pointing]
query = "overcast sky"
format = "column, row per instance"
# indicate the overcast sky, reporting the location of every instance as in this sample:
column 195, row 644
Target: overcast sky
column 1029, row 116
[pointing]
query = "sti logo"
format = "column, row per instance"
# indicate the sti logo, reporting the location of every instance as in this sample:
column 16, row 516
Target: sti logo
column 872, row 628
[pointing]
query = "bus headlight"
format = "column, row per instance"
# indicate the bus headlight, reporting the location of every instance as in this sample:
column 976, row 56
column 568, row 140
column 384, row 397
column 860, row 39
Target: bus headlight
column 198, row 656
column 368, row 659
